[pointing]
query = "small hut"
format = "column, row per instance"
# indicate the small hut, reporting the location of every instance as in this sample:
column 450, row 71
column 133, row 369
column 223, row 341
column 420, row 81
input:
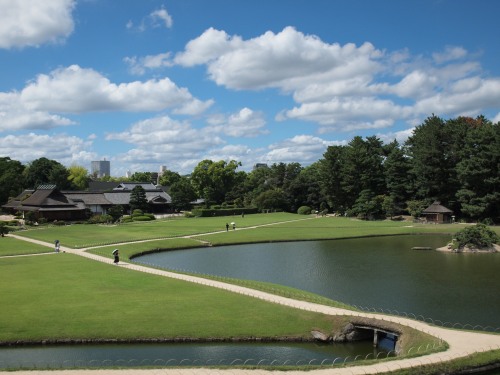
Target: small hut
column 436, row 213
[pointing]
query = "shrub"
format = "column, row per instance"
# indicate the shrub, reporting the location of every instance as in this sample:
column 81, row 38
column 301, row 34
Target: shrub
column 137, row 212
column 4, row 229
column 59, row 222
column 188, row 214
column 304, row 210
column 478, row 235
column 141, row 218
column 126, row 219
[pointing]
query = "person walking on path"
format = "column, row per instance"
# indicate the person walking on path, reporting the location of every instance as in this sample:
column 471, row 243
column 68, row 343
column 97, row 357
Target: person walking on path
column 116, row 254
column 227, row 227
column 57, row 246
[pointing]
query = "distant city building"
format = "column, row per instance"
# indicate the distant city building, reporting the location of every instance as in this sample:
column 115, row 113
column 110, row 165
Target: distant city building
column 100, row 168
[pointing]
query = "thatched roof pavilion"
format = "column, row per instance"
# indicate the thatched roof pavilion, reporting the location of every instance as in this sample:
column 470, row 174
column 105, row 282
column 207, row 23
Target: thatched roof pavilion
column 437, row 213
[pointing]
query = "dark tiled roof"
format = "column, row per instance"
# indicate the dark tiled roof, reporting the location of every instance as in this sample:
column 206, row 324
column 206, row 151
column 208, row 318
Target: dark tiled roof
column 87, row 197
column 48, row 198
column 101, row 186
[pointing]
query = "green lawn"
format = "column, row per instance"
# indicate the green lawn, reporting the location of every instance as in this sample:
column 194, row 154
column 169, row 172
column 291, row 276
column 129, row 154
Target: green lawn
column 325, row 228
column 83, row 235
column 12, row 246
column 66, row 296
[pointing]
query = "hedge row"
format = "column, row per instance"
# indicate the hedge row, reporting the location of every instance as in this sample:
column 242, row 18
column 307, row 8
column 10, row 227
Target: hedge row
column 207, row 212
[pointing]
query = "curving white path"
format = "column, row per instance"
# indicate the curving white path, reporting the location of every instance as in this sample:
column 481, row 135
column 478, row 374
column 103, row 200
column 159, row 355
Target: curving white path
column 461, row 343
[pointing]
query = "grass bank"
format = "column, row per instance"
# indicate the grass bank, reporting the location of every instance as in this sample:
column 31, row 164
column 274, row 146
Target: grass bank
column 63, row 297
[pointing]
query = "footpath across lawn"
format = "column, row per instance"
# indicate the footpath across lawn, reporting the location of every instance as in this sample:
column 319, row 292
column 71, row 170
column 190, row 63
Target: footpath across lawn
column 68, row 297
column 86, row 235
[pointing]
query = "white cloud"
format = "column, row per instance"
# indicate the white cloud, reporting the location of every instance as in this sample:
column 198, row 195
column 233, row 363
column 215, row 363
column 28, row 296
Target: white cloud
column 212, row 44
column 496, row 118
column 450, row 53
column 76, row 90
column 157, row 18
column 33, row 22
column 161, row 15
column 400, row 136
column 287, row 60
column 164, row 139
column 64, row 148
column 138, row 66
column 343, row 87
column 245, row 123
column 303, row 149
column 15, row 116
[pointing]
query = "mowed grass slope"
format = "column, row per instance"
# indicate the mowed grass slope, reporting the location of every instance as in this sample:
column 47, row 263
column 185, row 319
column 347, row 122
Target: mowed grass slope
column 10, row 246
column 63, row 296
column 84, row 235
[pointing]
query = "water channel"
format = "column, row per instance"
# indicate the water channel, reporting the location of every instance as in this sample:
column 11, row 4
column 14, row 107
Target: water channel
column 381, row 272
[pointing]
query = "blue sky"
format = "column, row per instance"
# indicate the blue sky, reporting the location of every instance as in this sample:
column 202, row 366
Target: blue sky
column 146, row 83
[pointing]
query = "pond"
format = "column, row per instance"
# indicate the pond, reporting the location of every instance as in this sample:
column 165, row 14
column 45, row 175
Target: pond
column 377, row 272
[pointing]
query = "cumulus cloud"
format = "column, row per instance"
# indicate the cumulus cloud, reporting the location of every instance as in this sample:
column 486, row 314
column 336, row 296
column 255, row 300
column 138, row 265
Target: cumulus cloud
column 76, row 90
column 14, row 115
column 139, row 65
column 34, row 22
column 245, row 123
column 301, row 148
column 343, row 87
column 163, row 138
column 61, row 147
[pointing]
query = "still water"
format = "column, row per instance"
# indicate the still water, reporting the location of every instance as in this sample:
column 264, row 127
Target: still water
column 378, row 272
column 221, row 354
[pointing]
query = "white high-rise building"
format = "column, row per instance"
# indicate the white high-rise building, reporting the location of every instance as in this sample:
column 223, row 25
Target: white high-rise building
column 100, row 168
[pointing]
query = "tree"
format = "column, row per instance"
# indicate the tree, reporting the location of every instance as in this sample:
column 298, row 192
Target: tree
column 168, row 178
column 331, row 177
column 138, row 200
column 368, row 206
column 182, row 194
column 479, row 173
column 478, row 235
column 116, row 212
column 11, row 181
column 44, row 171
column 270, row 200
column 397, row 178
column 141, row 177
column 79, row 177
column 212, row 180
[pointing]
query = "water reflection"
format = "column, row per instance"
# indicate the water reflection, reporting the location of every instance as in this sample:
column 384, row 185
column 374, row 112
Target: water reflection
column 380, row 272
column 133, row 355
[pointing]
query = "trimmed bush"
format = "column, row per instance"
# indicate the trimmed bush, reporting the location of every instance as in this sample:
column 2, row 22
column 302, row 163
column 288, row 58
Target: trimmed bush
column 478, row 235
column 304, row 210
column 142, row 218
column 203, row 212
